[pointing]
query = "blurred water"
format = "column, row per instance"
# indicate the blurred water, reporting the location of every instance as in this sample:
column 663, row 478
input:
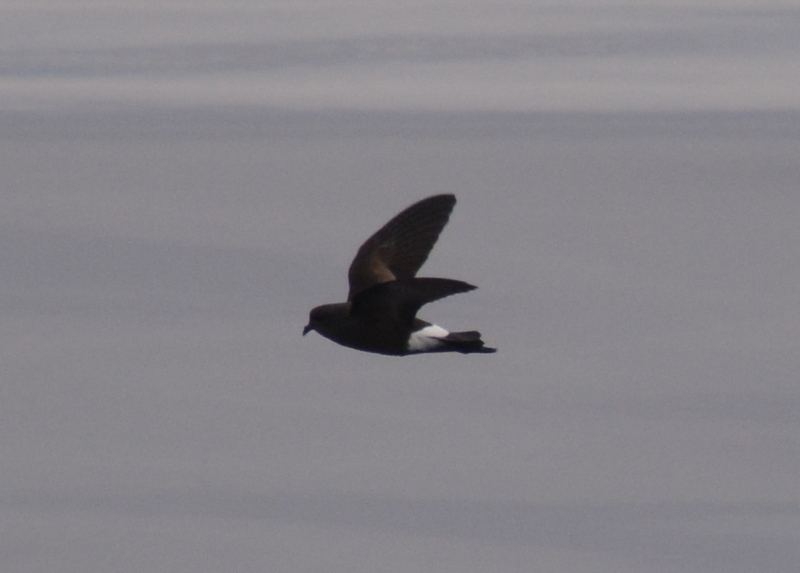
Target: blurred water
column 184, row 181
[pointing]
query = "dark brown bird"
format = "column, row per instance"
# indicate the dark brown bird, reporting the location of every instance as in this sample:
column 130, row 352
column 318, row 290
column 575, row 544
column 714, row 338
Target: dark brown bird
column 385, row 295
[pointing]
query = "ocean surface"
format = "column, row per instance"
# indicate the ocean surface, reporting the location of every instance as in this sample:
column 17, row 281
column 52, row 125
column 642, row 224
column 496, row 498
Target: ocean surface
column 183, row 181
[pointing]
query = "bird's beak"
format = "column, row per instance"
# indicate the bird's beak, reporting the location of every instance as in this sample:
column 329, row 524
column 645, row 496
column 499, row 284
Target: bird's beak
column 307, row 329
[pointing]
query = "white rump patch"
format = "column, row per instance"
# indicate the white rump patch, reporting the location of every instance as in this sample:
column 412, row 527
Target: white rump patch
column 426, row 339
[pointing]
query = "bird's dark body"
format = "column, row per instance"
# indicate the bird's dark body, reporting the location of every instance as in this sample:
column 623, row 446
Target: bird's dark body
column 385, row 295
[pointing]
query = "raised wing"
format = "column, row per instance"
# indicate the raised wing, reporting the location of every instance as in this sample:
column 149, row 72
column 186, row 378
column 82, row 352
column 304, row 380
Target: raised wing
column 401, row 246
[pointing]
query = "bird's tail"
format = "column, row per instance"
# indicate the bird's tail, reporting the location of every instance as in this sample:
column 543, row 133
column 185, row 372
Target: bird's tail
column 467, row 342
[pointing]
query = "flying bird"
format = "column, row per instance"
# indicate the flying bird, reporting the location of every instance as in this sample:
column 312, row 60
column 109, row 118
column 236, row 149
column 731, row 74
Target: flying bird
column 385, row 294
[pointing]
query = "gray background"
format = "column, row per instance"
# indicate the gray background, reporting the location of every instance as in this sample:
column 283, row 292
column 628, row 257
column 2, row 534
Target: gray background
column 182, row 182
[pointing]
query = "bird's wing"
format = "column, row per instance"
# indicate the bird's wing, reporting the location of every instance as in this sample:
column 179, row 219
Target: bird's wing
column 401, row 246
column 401, row 299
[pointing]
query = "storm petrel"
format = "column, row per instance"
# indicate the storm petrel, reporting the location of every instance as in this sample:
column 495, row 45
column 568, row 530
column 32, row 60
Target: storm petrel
column 385, row 295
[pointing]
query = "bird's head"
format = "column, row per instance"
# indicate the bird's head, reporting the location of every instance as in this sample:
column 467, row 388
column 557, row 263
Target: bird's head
column 323, row 318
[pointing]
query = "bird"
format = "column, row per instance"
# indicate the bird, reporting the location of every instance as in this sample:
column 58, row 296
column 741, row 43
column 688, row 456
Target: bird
column 385, row 294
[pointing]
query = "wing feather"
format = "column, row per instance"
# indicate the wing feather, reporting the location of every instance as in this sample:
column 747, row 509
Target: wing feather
column 399, row 301
column 399, row 248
